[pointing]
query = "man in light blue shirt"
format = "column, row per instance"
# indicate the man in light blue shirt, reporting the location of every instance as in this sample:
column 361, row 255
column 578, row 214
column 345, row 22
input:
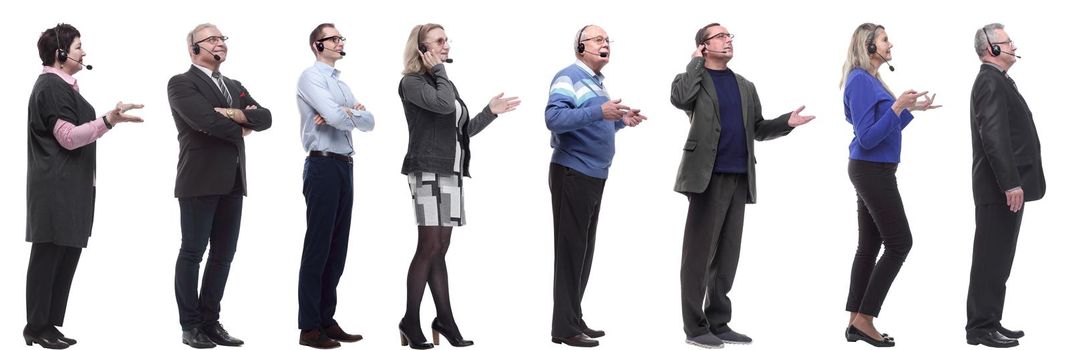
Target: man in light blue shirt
column 329, row 113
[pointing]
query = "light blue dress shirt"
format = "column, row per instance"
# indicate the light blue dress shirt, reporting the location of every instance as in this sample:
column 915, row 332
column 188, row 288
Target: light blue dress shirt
column 319, row 91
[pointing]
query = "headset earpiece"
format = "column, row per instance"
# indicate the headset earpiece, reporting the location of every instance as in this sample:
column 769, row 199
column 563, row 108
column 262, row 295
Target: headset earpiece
column 579, row 46
column 61, row 53
column 319, row 46
column 995, row 49
column 870, row 43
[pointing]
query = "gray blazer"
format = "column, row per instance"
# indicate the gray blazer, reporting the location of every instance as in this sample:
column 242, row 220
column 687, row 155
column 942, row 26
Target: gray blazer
column 693, row 92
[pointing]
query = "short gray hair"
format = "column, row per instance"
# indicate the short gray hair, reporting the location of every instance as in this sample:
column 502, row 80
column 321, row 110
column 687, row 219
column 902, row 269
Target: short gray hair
column 199, row 27
column 982, row 41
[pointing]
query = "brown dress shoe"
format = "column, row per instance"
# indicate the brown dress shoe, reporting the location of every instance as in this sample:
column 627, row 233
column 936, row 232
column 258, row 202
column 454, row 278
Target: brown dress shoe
column 335, row 332
column 316, row 339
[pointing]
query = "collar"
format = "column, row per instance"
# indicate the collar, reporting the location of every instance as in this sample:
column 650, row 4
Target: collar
column 326, row 69
column 205, row 70
column 63, row 75
column 996, row 67
column 597, row 77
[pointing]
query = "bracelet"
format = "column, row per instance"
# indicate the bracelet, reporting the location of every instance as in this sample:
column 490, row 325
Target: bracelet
column 106, row 123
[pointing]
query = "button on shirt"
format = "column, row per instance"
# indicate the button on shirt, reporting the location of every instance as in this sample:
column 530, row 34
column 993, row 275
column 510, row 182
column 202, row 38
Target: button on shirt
column 319, row 91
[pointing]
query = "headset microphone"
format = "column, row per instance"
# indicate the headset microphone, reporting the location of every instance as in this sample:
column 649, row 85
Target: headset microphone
column 889, row 66
column 87, row 66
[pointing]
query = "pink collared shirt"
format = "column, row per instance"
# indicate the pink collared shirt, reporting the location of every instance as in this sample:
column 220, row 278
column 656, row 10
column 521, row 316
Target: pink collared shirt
column 68, row 135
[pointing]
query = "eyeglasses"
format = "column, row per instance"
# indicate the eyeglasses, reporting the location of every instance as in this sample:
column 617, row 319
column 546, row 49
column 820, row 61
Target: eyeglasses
column 441, row 41
column 721, row 36
column 336, row 39
column 599, row 40
column 213, row 40
column 1008, row 41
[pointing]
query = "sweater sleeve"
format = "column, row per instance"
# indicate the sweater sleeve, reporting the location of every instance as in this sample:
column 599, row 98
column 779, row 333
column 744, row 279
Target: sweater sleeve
column 563, row 113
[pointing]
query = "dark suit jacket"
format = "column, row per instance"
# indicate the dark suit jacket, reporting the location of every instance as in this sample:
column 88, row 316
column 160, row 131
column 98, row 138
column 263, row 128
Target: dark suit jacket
column 693, row 92
column 211, row 150
column 1004, row 141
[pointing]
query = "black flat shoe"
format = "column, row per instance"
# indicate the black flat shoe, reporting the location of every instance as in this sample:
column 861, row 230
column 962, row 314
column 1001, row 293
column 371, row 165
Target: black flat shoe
column 219, row 335
column 853, row 335
column 992, row 338
column 453, row 336
column 196, row 339
column 420, row 343
column 1001, row 330
column 593, row 333
column 578, row 340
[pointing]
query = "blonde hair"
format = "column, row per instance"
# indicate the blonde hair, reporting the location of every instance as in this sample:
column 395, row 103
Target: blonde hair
column 858, row 56
column 413, row 62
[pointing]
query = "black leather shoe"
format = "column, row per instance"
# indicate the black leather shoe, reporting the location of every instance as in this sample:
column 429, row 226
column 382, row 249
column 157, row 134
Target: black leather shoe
column 593, row 333
column 733, row 337
column 991, row 338
column 219, row 335
column 1001, row 330
column 335, row 332
column 453, row 335
column 71, row 341
column 578, row 340
column 853, row 335
column 318, row 340
column 411, row 341
column 45, row 339
column 195, row 338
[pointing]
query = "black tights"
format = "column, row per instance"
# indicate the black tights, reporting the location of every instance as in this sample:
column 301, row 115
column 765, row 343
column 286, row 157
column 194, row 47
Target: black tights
column 428, row 268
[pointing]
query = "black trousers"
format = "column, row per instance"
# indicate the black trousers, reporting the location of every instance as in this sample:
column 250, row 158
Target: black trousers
column 48, row 283
column 881, row 219
column 328, row 197
column 712, row 241
column 994, row 247
column 576, row 203
column 206, row 219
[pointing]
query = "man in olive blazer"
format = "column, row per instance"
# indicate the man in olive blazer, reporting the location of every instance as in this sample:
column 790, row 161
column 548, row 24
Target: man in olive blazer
column 1006, row 172
column 717, row 175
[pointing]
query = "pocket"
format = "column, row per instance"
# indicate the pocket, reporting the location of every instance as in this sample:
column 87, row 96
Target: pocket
column 690, row 145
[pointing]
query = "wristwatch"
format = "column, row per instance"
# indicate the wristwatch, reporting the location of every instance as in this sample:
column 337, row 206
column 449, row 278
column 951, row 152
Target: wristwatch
column 230, row 113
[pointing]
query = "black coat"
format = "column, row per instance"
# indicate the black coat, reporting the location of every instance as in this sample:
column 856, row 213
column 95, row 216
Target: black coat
column 60, row 190
column 1004, row 141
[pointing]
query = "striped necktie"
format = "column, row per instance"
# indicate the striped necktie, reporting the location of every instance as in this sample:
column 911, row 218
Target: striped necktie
column 219, row 80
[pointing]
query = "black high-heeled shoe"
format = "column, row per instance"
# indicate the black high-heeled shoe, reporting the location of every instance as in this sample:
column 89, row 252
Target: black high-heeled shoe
column 453, row 336
column 853, row 335
column 46, row 340
column 407, row 341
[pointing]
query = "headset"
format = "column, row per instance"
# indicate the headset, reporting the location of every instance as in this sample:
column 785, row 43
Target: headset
column 870, row 42
column 580, row 47
column 61, row 54
column 196, row 48
column 995, row 49
column 423, row 47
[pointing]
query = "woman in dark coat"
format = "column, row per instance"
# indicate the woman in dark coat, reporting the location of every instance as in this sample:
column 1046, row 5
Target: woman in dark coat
column 60, row 181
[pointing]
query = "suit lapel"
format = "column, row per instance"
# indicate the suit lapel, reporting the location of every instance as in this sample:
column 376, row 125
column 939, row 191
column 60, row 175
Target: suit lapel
column 744, row 96
column 209, row 84
column 710, row 89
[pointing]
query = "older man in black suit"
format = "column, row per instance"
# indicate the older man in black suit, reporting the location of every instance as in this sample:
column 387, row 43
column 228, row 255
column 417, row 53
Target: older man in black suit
column 213, row 114
column 1007, row 171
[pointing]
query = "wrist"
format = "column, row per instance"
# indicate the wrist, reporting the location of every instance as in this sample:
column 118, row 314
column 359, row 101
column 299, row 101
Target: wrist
column 229, row 113
column 107, row 124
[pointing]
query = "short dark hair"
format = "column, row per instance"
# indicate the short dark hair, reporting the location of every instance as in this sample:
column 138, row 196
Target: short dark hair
column 48, row 44
column 316, row 34
column 700, row 37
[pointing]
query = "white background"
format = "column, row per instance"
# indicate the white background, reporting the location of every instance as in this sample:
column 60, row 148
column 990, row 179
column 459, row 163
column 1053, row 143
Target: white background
column 799, row 238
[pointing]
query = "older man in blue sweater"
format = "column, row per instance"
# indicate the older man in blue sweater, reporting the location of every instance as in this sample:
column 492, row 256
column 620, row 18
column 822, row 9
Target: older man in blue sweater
column 583, row 121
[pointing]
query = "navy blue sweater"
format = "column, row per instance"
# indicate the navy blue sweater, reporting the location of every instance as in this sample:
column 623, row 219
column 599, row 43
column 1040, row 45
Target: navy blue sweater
column 731, row 153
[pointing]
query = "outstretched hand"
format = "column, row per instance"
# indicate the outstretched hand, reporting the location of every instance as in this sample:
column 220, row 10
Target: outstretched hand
column 118, row 115
column 797, row 118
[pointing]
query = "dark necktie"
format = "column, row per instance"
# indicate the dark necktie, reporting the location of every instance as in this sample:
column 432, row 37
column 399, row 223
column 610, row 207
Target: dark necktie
column 219, row 80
